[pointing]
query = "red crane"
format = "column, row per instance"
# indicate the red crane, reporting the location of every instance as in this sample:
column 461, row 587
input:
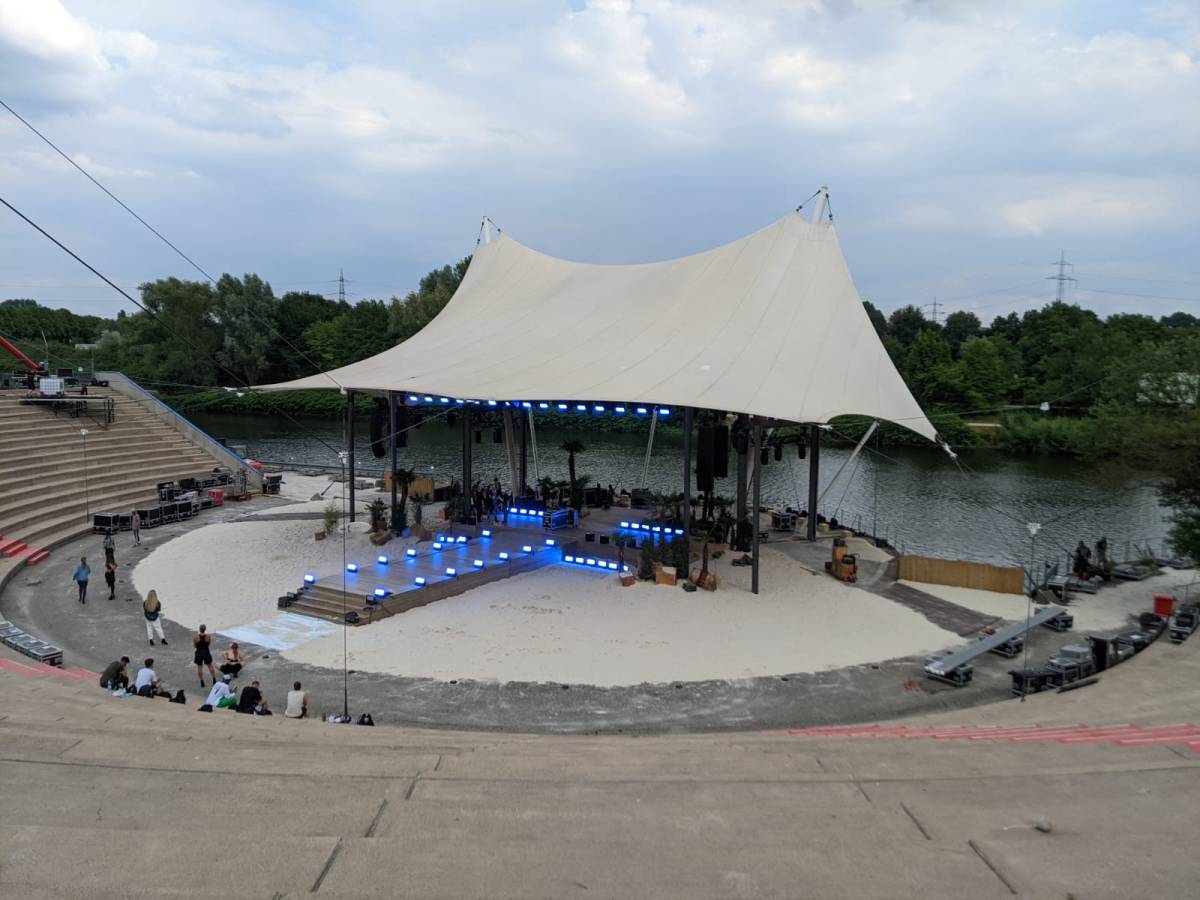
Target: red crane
column 29, row 363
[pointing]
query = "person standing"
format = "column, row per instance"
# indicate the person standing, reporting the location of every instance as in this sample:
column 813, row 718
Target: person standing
column 152, row 610
column 110, row 547
column 203, row 654
column 110, row 578
column 81, row 576
column 135, row 522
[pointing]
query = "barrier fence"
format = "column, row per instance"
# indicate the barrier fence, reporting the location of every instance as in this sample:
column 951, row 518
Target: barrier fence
column 961, row 573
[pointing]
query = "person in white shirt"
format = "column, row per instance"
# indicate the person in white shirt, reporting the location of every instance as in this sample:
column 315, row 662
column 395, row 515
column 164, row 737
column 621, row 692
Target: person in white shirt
column 219, row 692
column 297, row 703
column 146, row 683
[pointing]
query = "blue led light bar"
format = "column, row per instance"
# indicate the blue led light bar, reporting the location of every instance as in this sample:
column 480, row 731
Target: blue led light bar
column 504, row 554
column 487, row 532
column 410, row 552
column 419, row 580
column 478, row 563
column 351, row 568
column 437, row 545
column 451, row 571
column 310, row 579
column 550, row 542
column 569, row 558
column 382, row 560
column 525, row 548
column 381, row 593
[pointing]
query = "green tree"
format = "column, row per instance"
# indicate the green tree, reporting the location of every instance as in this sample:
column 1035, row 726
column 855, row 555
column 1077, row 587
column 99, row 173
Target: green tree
column 878, row 319
column 906, row 323
column 958, row 328
column 930, row 372
column 983, row 372
column 246, row 311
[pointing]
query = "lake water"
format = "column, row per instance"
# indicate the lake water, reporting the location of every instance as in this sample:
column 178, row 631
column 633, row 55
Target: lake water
column 916, row 497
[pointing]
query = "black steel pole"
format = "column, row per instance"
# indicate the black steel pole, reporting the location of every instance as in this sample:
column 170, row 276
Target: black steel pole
column 392, row 417
column 467, row 436
column 814, row 469
column 757, row 505
column 688, row 414
column 524, row 453
column 350, row 445
column 743, row 471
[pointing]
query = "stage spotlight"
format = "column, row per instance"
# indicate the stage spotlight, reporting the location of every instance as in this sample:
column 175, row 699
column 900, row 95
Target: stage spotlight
column 526, row 549
column 451, row 571
column 569, row 558
column 504, row 555
column 437, row 545
column 380, row 593
column 382, row 560
column 351, row 568
column 310, row 579
column 410, row 552
column 486, row 532
column 478, row 564
column 419, row 581
column 549, row 542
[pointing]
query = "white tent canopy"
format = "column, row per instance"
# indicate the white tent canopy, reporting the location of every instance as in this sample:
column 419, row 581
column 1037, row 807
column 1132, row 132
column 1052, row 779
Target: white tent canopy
column 769, row 325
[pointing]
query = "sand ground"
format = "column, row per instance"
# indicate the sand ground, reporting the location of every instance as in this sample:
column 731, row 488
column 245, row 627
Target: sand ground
column 559, row 624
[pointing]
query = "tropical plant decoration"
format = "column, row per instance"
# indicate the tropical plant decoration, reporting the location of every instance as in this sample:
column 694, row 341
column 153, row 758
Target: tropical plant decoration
column 330, row 517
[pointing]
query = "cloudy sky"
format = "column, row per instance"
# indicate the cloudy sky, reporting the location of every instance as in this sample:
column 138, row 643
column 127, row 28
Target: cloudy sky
column 964, row 143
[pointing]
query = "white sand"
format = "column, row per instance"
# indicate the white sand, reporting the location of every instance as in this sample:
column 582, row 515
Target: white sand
column 1110, row 608
column 559, row 624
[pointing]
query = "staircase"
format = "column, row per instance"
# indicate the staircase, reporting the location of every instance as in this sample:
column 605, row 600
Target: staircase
column 42, row 484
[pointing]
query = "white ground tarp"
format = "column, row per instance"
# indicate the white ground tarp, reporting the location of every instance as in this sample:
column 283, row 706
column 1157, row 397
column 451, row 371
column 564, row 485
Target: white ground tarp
column 769, row 325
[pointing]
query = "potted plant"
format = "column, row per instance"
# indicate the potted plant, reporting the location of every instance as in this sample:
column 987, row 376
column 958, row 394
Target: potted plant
column 377, row 510
column 329, row 520
column 645, row 570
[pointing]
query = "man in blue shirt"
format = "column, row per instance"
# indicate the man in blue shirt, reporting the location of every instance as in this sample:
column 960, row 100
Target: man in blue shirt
column 82, row 573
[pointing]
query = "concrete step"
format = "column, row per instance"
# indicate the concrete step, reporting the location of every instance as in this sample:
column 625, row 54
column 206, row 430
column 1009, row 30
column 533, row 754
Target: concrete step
column 42, row 495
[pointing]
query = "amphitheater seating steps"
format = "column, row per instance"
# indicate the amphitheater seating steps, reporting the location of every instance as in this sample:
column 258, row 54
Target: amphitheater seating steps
column 42, row 502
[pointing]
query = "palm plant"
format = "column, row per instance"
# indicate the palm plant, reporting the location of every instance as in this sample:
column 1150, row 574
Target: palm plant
column 404, row 479
column 572, row 446
column 546, row 486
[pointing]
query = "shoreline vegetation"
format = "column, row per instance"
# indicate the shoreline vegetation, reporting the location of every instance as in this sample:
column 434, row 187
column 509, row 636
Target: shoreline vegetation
column 1119, row 390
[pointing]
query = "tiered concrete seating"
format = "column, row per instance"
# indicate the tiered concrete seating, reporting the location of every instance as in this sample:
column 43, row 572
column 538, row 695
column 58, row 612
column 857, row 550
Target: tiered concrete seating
column 42, row 500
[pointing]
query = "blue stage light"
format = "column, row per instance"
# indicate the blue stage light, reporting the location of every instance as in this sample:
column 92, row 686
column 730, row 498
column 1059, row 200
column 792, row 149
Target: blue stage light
column 526, row 549
column 380, row 593
column 663, row 412
column 478, row 563
column 543, row 406
column 652, row 528
column 428, row 399
column 413, row 398
column 526, row 404
column 549, row 542
column 612, row 565
column 351, row 568
column 451, row 571
column 582, row 407
column 491, row 403
column 569, row 558
column 624, row 524
column 382, row 560
column 504, row 554
column 437, row 545
column 524, row 512
column 590, row 561
column 445, row 399
column 419, row 580
column 598, row 408
column 641, row 410
column 619, row 409
column 679, row 531
column 562, row 406
column 624, row 568
column 512, row 509
column 410, row 552
column 310, row 579
column 486, row 532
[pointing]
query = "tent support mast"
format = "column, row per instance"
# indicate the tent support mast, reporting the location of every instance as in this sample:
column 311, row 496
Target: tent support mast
column 467, row 436
column 757, row 504
column 743, row 473
column 688, row 414
column 537, row 475
column 814, row 470
column 849, row 459
column 350, row 445
column 509, row 449
column 392, row 422
column 649, row 447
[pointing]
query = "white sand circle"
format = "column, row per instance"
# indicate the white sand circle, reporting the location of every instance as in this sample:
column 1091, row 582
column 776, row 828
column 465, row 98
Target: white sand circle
column 560, row 624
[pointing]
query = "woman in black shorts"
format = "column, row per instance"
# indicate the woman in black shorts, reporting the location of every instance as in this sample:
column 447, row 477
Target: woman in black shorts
column 203, row 655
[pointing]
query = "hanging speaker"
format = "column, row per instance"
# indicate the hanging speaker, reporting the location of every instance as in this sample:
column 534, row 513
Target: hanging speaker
column 741, row 440
column 704, row 456
column 764, row 455
column 802, row 449
column 401, row 436
column 720, row 448
column 778, row 452
column 497, row 436
column 378, row 417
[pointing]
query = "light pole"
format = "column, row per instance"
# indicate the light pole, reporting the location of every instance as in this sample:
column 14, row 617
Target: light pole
column 1034, row 528
column 87, row 510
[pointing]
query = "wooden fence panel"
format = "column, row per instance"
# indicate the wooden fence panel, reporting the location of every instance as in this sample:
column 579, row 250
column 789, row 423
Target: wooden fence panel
column 960, row 573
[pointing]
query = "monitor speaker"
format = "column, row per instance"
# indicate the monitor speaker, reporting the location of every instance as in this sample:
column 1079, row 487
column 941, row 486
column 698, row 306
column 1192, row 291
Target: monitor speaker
column 590, row 537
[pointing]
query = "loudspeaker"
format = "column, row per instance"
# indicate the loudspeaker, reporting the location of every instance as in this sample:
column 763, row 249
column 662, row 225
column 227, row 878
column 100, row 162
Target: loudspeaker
column 741, row 439
column 604, row 538
column 497, row 436
column 401, row 436
column 379, row 415
column 778, row 452
column 704, row 458
column 720, row 448
column 802, row 449
column 590, row 537
column 764, row 455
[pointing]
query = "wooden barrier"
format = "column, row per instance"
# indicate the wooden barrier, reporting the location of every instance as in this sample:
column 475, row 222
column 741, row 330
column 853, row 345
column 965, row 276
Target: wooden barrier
column 960, row 573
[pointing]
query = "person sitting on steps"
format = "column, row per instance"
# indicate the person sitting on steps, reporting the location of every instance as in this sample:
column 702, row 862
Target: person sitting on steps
column 233, row 660
column 116, row 674
column 297, row 703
